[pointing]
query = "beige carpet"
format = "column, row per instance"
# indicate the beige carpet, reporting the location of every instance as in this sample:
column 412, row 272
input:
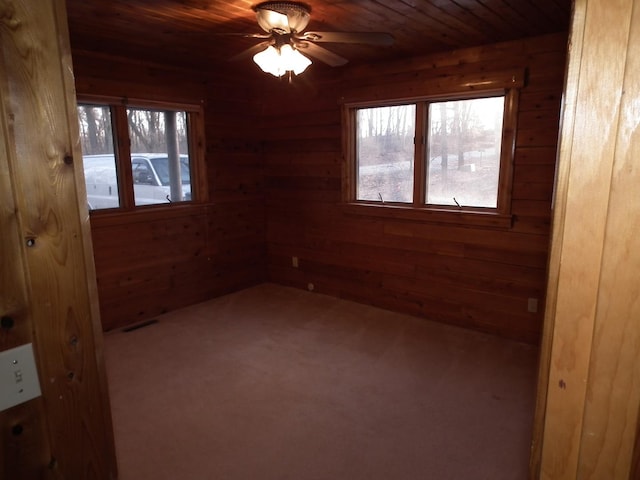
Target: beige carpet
column 277, row 383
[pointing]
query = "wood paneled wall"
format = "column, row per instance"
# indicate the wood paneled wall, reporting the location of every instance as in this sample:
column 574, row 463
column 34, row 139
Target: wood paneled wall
column 278, row 144
column 47, row 280
column 470, row 276
column 589, row 393
column 154, row 260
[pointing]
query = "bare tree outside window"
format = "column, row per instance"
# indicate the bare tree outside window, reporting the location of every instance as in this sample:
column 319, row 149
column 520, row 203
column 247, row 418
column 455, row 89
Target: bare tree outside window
column 385, row 151
column 438, row 158
column 148, row 133
column 100, row 171
column 159, row 155
column 463, row 152
column 96, row 135
column 159, row 143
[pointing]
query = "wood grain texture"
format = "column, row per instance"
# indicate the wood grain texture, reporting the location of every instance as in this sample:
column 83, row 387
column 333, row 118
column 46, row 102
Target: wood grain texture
column 14, row 297
column 479, row 274
column 593, row 392
column 152, row 260
column 24, row 444
column 192, row 33
column 635, row 466
column 608, row 440
column 39, row 103
column 574, row 56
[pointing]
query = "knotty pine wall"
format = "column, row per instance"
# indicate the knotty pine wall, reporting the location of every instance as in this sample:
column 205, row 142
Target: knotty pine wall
column 275, row 166
column 47, row 281
column 469, row 276
column 155, row 260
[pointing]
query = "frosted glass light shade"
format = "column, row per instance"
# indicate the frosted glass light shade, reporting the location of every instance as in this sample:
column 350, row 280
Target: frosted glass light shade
column 293, row 59
column 278, row 62
column 269, row 61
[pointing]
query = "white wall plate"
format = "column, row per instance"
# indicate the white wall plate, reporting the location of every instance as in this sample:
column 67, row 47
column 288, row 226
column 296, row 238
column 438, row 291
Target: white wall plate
column 18, row 376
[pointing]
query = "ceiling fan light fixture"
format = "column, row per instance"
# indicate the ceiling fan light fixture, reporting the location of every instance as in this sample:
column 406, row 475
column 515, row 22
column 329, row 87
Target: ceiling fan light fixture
column 277, row 62
column 284, row 24
column 293, row 60
column 282, row 16
column 268, row 60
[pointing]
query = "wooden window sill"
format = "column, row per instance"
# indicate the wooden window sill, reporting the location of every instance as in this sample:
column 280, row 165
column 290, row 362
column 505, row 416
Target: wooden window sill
column 145, row 213
column 471, row 218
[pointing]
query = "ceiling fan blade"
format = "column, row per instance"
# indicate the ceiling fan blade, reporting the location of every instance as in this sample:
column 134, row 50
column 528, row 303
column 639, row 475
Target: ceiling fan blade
column 367, row 38
column 245, row 35
column 249, row 52
column 321, row 54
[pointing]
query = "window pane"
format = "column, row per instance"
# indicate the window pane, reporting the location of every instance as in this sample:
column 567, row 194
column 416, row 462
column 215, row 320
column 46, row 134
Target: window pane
column 159, row 156
column 385, row 151
column 96, row 141
column 465, row 137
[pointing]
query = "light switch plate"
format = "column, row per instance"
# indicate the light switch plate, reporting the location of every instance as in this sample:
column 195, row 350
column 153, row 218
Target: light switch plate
column 18, row 376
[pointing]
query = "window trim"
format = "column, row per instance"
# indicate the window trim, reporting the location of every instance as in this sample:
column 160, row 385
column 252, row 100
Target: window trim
column 480, row 86
column 120, row 129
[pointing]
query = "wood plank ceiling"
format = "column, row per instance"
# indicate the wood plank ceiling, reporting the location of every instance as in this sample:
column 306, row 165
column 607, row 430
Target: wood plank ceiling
column 187, row 32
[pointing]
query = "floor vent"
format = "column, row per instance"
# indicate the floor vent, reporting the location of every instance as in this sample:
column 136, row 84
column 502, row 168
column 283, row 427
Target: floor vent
column 140, row 325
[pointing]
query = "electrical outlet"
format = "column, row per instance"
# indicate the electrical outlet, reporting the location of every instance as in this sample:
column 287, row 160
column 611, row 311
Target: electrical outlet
column 532, row 305
column 294, row 262
column 18, row 376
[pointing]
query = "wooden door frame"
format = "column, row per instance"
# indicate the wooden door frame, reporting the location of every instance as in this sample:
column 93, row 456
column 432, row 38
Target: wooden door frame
column 48, row 276
column 588, row 394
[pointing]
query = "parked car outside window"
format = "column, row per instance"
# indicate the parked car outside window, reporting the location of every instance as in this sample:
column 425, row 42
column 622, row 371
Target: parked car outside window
column 151, row 180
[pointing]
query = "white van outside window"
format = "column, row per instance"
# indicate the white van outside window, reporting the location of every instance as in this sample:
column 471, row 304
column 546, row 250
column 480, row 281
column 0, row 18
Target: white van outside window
column 151, row 180
column 159, row 147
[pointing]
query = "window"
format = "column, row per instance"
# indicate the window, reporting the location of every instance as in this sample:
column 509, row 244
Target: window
column 136, row 156
column 384, row 146
column 100, row 168
column 463, row 152
column 446, row 154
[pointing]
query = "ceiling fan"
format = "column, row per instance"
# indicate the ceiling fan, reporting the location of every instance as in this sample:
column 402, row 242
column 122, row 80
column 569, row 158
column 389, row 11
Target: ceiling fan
column 285, row 41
